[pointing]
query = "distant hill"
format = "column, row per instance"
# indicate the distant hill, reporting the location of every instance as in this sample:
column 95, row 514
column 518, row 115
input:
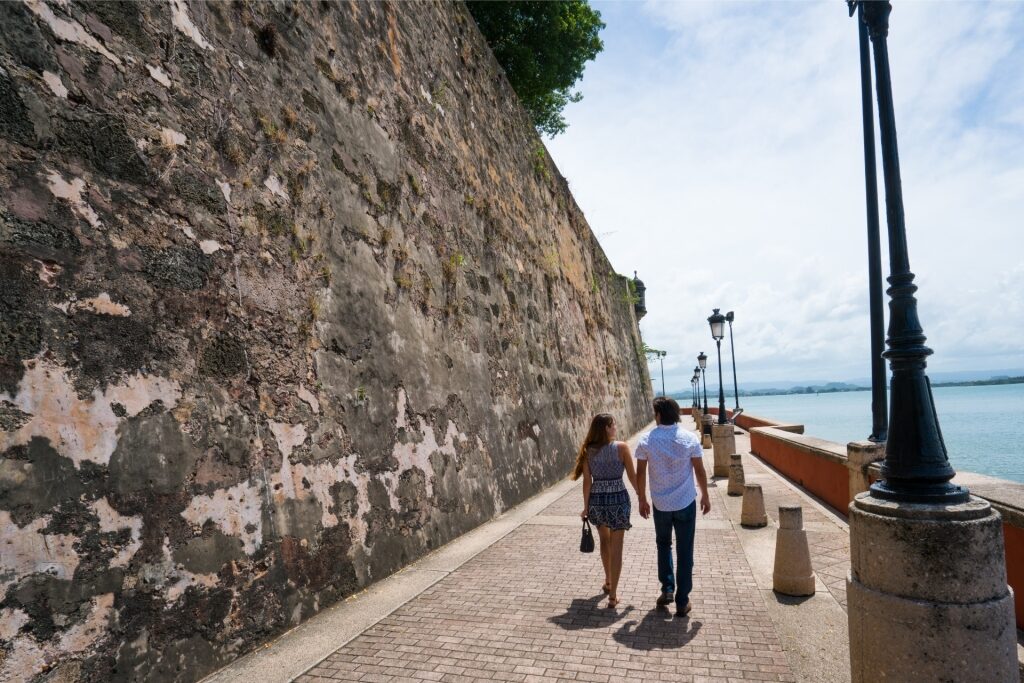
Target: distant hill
column 942, row 379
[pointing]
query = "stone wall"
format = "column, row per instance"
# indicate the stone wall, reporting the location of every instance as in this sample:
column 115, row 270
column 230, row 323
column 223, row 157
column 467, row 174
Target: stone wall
column 291, row 295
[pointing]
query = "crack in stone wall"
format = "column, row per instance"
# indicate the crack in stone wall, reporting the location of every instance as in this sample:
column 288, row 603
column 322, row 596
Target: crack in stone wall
column 292, row 294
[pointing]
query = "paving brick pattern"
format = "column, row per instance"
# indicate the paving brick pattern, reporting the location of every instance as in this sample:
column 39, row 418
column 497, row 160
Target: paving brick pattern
column 530, row 609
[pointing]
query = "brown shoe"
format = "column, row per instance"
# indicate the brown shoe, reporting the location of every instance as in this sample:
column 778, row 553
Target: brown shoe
column 683, row 611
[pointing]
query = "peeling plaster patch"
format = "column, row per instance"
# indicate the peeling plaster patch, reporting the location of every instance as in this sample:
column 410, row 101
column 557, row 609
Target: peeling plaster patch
column 111, row 520
column 321, row 478
column 53, row 80
column 72, row 192
column 48, row 273
column 288, row 436
column 159, row 75
column 80, row 636
column 23, row 660
column 237, row 511
column 225, row 189
column 77, row 429
column 183, row 22
column 309, row 398
column 26, row 550
column 209, row 246
column 186, row 579
column 70, row 31
column 273, row 183
column 11, row 621
column 417, row 455
column 187, row 229
column 101, row 305
column 172, row 138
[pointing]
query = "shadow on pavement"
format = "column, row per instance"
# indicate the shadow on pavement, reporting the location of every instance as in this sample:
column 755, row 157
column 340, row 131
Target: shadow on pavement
column 783, row 599
column 658, row 630
column 588, row 613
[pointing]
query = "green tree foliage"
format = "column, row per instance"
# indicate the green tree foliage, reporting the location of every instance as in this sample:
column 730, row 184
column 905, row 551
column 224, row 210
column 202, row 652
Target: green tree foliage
column 543, row 47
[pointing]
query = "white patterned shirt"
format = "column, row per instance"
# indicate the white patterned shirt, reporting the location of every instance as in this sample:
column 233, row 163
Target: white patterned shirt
column 668, row 450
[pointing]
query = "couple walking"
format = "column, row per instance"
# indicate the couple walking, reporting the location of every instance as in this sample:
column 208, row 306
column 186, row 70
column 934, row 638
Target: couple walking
column 672, row 458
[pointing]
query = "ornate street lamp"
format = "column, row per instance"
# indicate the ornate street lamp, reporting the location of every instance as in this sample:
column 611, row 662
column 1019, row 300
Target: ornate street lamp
column 717, row 322
column 916, row 468
column 732, row 348
column 702, row 362
column 927, row 578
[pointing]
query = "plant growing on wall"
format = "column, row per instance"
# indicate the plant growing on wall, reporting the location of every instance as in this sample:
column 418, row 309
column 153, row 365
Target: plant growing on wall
column 543, row 47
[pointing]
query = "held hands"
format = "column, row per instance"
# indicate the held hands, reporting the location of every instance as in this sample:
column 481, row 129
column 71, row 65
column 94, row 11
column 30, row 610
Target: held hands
column 645, row 509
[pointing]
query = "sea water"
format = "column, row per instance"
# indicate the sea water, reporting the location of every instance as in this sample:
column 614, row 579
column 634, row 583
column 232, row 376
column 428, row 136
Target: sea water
column 983, row 426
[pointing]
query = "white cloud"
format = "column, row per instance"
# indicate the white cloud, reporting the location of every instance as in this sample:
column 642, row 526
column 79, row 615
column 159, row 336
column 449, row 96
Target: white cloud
column 718, row 151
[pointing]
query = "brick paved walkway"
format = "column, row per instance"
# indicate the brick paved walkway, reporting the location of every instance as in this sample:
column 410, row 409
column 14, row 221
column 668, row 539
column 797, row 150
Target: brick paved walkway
column 530, row 608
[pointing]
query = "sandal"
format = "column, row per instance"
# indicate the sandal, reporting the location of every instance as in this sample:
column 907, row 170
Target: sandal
column 613, row 602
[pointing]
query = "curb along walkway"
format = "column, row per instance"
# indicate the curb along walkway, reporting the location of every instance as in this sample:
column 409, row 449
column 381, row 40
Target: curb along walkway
column 516, row 601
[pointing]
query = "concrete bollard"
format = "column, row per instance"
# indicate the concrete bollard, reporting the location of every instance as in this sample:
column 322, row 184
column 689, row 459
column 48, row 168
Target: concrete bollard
column 753, row 514
column 723, row 441
column 735, row 475
column 697, row 420
column 793, row 574
column 705, row 442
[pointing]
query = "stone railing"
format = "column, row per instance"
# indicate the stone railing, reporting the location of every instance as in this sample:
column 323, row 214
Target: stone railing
column 836, row 473
column 748, row 422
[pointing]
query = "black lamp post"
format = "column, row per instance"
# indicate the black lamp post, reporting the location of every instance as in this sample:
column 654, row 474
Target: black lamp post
column 696, row 386
column 916, row 468
column 879, row 423
column 661, row 359
column 702, row 362
column 717, row 322
column 732, row 348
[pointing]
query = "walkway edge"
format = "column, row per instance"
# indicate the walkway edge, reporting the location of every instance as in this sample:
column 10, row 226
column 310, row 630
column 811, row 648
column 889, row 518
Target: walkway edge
column 297, row 651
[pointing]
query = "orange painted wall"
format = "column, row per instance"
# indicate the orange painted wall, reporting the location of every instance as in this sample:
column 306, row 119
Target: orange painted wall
column 1014, row 539
column 826, row 479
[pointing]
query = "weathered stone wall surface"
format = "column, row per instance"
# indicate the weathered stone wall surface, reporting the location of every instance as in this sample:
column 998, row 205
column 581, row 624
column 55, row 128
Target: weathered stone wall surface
column 291, row 294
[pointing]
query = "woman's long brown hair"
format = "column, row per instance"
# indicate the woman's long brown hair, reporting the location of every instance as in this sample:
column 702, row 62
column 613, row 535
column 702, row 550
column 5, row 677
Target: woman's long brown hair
column 597, row 436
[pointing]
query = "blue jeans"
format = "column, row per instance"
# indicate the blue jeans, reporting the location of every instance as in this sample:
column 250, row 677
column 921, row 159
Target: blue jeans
column 685, row 523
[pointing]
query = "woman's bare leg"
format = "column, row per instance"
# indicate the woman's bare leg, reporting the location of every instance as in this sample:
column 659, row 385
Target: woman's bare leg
column 616, row 538
column 604, row 536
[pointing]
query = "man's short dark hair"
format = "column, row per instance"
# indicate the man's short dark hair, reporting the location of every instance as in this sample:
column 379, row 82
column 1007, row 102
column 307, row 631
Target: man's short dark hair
column 667, row 410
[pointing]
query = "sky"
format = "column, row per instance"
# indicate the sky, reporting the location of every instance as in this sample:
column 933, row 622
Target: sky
column 718, row 152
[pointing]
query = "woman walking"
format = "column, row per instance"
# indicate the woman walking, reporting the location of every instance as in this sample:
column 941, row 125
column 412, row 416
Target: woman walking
column 601, row 462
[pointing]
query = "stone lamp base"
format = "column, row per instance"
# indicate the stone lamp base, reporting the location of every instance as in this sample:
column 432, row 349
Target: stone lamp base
column 927, row 594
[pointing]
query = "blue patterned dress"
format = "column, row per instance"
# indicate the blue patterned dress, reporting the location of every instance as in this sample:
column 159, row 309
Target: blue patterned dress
column 609, row 502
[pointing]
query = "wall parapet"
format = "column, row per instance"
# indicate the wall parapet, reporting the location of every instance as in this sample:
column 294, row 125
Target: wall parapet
column 749, row 422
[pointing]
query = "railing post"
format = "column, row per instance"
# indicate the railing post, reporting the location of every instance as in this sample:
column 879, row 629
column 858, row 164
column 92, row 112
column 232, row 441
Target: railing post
column 859, row 456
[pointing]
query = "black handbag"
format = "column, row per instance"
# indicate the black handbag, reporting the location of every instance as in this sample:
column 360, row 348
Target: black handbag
column 587, row 541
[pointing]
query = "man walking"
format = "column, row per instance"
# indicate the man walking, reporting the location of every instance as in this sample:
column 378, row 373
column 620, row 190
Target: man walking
column 675, row 459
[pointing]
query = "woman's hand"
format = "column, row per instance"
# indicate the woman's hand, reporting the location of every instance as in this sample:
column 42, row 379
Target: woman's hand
column 583, row 515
